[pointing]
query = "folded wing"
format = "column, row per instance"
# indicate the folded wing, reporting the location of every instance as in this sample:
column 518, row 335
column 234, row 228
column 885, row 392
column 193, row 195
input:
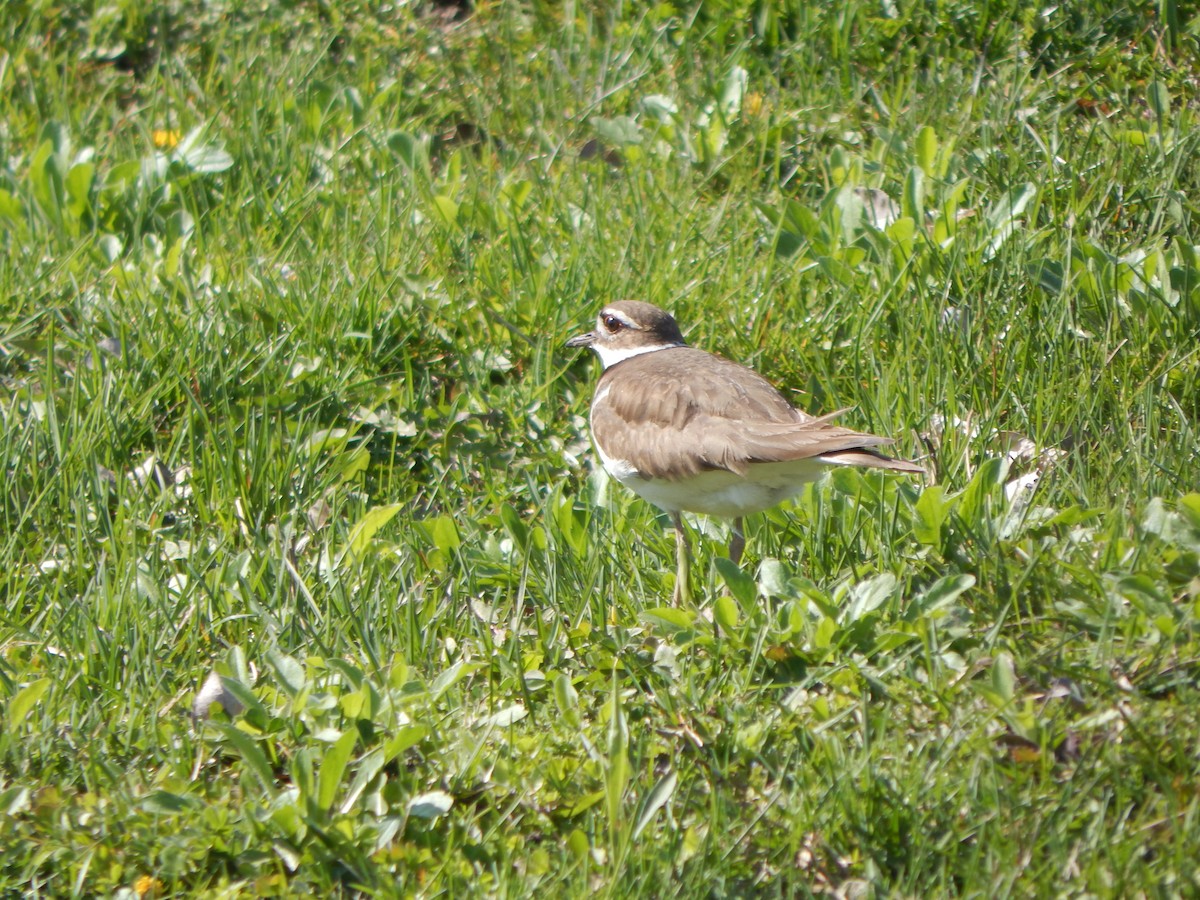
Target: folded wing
column 699, row 418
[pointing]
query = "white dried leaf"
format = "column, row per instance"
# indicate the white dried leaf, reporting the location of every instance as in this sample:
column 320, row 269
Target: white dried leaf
column 507, row 716
column 430, row 805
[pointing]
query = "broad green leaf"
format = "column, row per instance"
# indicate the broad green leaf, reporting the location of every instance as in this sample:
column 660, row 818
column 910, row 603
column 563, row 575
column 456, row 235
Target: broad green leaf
column 798, row 217
column 173, row 259
column 926, row 149
column 1140, row 590
column 250, row 752
column 824, row 634
column 411, row 150
column 1133, row 137
column 444, row 533
column 1189, row 507
column 367, row 527
column 10, row 207
column 238, row 664
column 1159, row 100
column 445, row 210
column 1010, row 206
column 567, row 699
column 351, row 673
column 368, row 767
column 288, row 814
column 725, row 612
column 516, row 528
column 867, row 596
column 849, row 203
column 25, row 700
column 932, row 509
column 323, row 440
column 740, row 583
column 713, row 139
column 167, row 803
column 837, row 270
column 584, row 803
column 404, row 739
column 788, row 244
column 302, row 774
column 973, row 502
column 671, row 618
column 1048, row 274
column 772, row 578
column 79, row 189
column 353, row 463
column 288, row 670
column 1004, row 678
column 789, row 225
column 333, row 766
column 619, row 769
column 945, row 227
column 45, row 180
column 361, row 703
column 840, row 165
column 452, row 676
column 655, row 800
column 355, row 705
column 398, row 672
column 121, row 176
column 942, row 593
column 1073, row 515
column 578, row 844
column 516, row 193
column 912, row 198
column 768, row 213
column 903, row 233
column 572, row 526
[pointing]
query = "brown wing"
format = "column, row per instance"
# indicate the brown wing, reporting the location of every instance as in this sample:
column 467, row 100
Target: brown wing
column 698, row 417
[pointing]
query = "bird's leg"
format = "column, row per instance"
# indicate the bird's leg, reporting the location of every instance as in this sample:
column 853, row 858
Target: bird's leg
column 682, row 552
column 737, row 542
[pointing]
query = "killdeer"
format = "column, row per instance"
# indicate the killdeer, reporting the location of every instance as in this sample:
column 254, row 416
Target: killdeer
column 690, row 431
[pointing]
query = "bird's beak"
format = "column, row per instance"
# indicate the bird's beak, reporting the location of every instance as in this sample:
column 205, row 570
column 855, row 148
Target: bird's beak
column 582, row 340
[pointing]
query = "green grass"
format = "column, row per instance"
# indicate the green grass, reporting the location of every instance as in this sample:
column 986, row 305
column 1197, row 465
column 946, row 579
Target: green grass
column 334, row 315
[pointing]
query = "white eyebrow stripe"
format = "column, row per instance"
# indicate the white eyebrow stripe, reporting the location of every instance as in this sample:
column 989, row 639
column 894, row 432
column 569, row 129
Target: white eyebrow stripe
column 617, row 314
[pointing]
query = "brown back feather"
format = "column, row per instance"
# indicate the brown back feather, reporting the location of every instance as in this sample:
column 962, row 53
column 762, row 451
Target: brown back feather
column 728, row 417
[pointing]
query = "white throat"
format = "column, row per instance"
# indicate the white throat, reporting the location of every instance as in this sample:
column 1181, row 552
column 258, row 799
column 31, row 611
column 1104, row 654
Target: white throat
column 610, row 356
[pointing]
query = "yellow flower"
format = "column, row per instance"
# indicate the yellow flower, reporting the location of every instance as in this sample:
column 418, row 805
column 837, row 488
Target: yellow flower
column 165, row 138
column 147, row 885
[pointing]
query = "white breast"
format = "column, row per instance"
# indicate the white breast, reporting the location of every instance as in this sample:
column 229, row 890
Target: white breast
column 720, row 493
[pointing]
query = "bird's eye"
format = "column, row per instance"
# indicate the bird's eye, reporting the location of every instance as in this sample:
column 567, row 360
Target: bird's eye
column 611, row 324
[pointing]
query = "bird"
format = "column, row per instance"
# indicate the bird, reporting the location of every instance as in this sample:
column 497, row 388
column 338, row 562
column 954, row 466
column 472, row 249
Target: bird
column 690, row 431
